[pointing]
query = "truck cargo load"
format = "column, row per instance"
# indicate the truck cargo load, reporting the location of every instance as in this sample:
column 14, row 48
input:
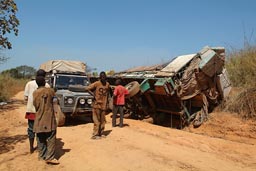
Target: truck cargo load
column 67, row 66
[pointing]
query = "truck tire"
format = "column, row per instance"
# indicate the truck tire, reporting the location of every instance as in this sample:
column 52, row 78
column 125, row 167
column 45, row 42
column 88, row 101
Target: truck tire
column 133, row 88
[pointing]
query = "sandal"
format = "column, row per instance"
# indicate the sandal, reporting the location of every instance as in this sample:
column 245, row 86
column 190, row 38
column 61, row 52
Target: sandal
column 53, row 161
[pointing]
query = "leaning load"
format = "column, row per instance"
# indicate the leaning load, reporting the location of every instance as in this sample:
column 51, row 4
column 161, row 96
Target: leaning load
column 186, row 89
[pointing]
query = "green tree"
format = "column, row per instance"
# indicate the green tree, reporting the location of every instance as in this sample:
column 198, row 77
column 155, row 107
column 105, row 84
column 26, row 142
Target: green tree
column 22, row 71
column 8, row 21
column 95, row 74
column 25, row 71
column 111, row 72
column 8, row 24
column 11, row 72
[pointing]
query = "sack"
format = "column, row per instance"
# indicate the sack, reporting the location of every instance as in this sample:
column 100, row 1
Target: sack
column 59, row 115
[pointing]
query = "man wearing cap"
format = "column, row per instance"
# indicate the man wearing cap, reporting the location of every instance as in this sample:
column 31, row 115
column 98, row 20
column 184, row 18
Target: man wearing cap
column 30, row 87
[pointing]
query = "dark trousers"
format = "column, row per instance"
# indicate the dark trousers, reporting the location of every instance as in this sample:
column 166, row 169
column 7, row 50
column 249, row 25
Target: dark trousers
column 118, row 109
column 99, row 120
column 31, row 133
column 46, row 145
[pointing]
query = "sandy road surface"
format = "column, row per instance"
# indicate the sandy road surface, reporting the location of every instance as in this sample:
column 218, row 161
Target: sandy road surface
column 224, row 143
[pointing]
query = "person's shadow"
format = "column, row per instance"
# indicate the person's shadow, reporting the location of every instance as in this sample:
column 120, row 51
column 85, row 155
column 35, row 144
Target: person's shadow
column 59, row 151
column 106, row 133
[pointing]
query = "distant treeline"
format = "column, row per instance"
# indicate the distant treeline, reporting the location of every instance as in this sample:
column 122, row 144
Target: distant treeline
column 22, row 71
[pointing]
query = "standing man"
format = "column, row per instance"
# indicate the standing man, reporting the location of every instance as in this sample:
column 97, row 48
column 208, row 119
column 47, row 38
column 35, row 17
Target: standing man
column 45, row 122
column 119, row 101
column 30, row 87
column 101, row 90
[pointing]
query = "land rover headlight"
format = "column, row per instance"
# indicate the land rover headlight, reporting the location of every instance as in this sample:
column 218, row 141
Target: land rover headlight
column 89, row 101
column 82, row 101
column 70, row 101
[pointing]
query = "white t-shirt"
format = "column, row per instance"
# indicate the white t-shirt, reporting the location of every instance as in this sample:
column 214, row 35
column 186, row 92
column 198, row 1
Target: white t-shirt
column 30, row 87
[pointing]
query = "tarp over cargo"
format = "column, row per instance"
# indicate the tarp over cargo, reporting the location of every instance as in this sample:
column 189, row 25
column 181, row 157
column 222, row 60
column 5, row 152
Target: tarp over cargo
column 178, row 63
column 156, row 67
column 200, row 74
column 175, row 65
column 64, row 66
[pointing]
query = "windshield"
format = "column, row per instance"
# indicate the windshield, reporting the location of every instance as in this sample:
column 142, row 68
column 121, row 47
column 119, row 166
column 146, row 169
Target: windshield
column 63, row 81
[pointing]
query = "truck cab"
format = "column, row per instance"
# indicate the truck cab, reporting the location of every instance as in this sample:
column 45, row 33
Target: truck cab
column 68, row 79
column 71, row 94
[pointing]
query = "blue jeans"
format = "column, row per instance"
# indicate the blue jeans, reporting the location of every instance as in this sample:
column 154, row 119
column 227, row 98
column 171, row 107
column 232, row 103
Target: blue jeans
column 31, row 134
column 46, row 145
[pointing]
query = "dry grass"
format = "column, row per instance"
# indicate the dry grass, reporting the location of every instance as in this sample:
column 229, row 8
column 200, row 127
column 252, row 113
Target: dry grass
column 10, row 86
column 243, row 103
column 241, row 66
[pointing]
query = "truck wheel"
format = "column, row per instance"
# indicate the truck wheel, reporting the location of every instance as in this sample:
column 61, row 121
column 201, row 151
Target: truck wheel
column 133, row 88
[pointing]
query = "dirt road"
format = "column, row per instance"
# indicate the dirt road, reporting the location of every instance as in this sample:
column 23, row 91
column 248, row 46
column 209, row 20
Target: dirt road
column 223, row 143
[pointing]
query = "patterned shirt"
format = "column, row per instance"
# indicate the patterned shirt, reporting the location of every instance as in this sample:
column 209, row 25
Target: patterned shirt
column 101, row 93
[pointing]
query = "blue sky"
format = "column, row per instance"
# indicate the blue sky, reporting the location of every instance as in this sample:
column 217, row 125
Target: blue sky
column 120, row 34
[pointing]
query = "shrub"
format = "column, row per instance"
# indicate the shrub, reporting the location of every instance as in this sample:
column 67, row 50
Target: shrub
column 241, row 66
column 10, row 86
column 243, row 103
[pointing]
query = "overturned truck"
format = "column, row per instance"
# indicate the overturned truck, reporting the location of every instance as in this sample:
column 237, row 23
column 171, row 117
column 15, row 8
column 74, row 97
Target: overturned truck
column 179, row 92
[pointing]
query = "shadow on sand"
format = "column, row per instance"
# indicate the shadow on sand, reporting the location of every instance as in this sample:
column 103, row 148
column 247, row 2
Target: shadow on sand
column 59, row 151
column 77, row 120
column 8, row 143
column 12, row 105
